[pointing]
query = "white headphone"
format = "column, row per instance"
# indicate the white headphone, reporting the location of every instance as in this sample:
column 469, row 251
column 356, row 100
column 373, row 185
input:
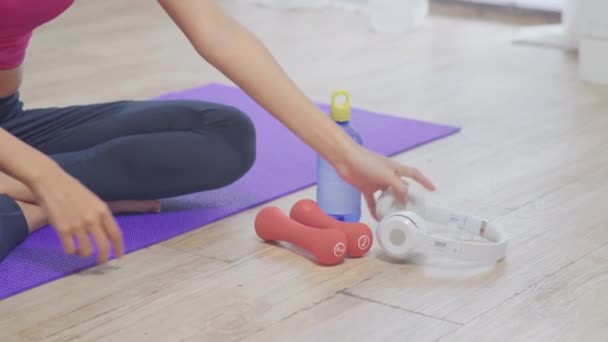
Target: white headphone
column 402, row 231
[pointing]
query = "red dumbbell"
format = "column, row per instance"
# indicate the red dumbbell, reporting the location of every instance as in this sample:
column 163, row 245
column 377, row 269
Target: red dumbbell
column 358, row 234
column 327, row 245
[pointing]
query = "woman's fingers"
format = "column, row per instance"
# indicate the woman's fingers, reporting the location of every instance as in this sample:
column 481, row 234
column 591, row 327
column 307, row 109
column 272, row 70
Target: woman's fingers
column 96, row 229
column 415, row 174
column 371, row 204
column 115, row 235
column 85, row 248
column 400, row 188
column 103, row 244
column 106, row 234
column 68, row 242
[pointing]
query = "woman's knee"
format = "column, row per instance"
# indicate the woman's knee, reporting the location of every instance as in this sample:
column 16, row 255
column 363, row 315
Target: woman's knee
column 234, row 132
column 237, row 130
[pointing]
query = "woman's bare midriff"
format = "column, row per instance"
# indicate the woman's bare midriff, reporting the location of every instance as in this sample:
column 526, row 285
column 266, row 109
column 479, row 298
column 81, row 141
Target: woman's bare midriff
column 10, row 81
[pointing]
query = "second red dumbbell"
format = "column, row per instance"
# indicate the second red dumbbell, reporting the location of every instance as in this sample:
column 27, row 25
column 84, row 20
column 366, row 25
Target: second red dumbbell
column 359, row 235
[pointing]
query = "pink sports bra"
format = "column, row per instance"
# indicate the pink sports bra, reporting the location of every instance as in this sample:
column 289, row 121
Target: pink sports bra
column 18, row 19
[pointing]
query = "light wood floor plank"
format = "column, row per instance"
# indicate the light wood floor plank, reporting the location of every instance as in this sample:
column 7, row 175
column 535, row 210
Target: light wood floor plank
column 352, row 319
column 68, row 308
column 566, row 306
column 242, row 299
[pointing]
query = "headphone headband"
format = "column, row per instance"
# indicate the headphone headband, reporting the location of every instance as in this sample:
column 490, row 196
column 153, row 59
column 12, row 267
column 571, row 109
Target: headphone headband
column 493, row 251
column 467, row 223
column 467, row 250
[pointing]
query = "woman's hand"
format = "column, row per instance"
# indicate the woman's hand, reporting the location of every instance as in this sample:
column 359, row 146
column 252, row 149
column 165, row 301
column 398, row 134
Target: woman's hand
column 77, row 214
column 71, row 208
column 370, row 172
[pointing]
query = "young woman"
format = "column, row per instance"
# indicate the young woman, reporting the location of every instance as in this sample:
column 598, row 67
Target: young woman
column 72, row 167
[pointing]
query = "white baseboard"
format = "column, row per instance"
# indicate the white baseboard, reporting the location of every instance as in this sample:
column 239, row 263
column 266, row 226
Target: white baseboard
column 548, row 36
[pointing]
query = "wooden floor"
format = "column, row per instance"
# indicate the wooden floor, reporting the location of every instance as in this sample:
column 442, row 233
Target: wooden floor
column 531, row 156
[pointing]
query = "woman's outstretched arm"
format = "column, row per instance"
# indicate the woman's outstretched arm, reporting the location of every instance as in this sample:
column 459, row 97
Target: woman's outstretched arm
column 242, row 57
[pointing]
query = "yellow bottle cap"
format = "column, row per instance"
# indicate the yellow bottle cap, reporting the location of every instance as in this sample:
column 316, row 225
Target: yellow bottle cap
column 340, row 111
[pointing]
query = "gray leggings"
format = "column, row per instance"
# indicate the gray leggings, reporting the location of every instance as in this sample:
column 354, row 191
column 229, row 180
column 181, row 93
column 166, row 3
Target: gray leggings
column 134, row 150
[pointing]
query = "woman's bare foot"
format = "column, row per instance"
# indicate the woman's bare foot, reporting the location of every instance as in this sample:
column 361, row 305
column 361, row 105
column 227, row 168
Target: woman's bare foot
column 151, row 206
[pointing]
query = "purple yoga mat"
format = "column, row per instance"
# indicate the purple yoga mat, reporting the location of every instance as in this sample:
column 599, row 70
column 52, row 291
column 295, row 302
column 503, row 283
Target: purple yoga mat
column 40, row 259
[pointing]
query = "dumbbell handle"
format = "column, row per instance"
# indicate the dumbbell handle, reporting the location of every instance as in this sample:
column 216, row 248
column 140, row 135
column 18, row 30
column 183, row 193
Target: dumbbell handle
column 327, row 245
column 359, row 235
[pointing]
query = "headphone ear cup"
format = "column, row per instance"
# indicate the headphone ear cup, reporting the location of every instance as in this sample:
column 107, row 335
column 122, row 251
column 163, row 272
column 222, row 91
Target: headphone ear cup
column 397, row 233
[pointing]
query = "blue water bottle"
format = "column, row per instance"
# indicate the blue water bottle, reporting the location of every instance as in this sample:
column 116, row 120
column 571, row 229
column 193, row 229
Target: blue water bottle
column 336, row 197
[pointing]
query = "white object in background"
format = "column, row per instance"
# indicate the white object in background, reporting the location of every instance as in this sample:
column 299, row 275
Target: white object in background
column 593, row 18
column 293, row 4
column 302, row 4
column 593, row 47
column 351, row 5
column 593, row 60
column 397, row 15
column 564, row 36
column 571, row 22
column 543, row 5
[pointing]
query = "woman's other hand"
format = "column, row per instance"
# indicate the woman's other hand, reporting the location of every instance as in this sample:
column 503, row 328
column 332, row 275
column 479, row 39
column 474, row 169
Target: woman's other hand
column 77, row 214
